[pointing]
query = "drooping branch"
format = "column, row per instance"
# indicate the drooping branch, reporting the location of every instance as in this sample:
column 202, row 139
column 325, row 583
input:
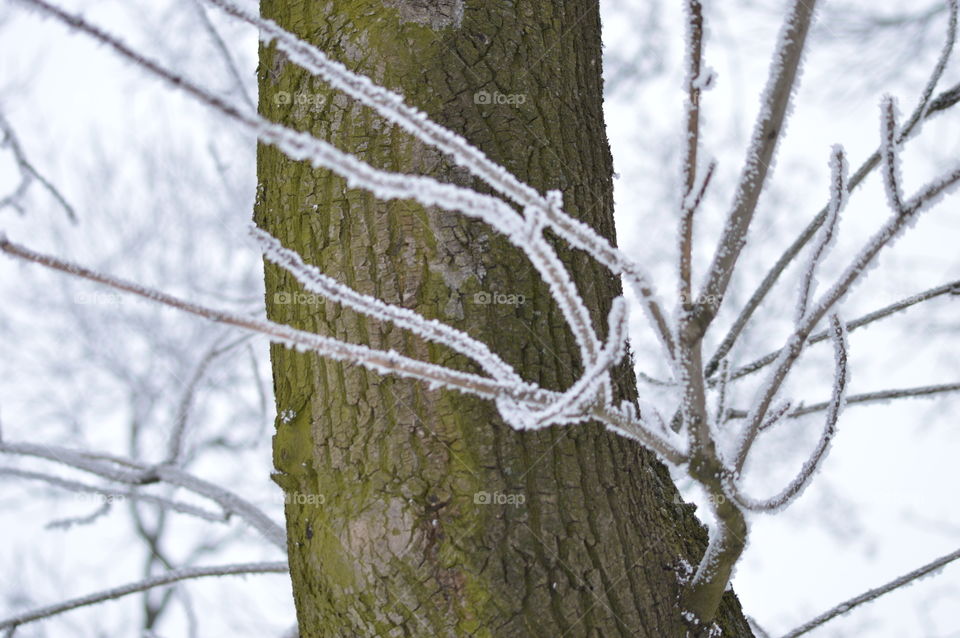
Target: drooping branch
column 130, row 472
column 837, row 402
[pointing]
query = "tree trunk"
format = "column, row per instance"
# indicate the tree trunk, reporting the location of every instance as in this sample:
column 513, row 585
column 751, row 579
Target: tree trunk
column 417, row 512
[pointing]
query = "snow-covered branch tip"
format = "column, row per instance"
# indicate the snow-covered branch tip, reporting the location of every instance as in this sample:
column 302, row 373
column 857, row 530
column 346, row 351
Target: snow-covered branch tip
column 838, row 198
column 890, row 152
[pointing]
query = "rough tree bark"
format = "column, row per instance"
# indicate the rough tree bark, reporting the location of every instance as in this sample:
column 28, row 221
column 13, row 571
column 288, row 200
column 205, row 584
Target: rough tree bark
column 383, row 476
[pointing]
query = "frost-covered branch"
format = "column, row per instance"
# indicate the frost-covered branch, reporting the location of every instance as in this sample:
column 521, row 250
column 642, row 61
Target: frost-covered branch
column 385, row 362
column 587, row 388
column 950, row 288
column 890, row 153
column 838, row 195
column 173, row 576
column 877, row 396
column 837, row 402
column 924, row 110
column 316, row 282
column 784, row 73
column 796, row 342
column 526, row 234
column 873, row 594
column 378, row 360
column 392, row 107
column 694, row 85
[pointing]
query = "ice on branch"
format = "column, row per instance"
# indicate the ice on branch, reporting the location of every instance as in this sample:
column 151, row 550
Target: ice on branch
column 825, row 236
column 315, row 281
column 841, row 380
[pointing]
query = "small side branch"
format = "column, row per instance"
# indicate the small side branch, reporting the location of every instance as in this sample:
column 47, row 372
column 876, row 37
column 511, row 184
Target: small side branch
column 952, row 287
column 879, row 396
column 838, row 197
column 28, row 173
column 694, row 62
column 890, row 152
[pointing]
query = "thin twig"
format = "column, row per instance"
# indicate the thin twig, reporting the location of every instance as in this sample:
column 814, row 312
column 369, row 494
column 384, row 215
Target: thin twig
column 225, row 54
column 28, row 173
column 186, row 573
column 109, row 494
column 877, row 396
column 873, row 594
column 143, row 473
column 950, row 288
column 838, row 196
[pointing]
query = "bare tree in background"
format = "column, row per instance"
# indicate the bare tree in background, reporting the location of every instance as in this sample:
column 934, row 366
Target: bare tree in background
column 693, row 423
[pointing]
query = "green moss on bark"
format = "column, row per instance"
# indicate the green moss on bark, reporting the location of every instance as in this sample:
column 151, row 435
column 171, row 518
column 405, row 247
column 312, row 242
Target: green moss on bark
column 393, row 542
